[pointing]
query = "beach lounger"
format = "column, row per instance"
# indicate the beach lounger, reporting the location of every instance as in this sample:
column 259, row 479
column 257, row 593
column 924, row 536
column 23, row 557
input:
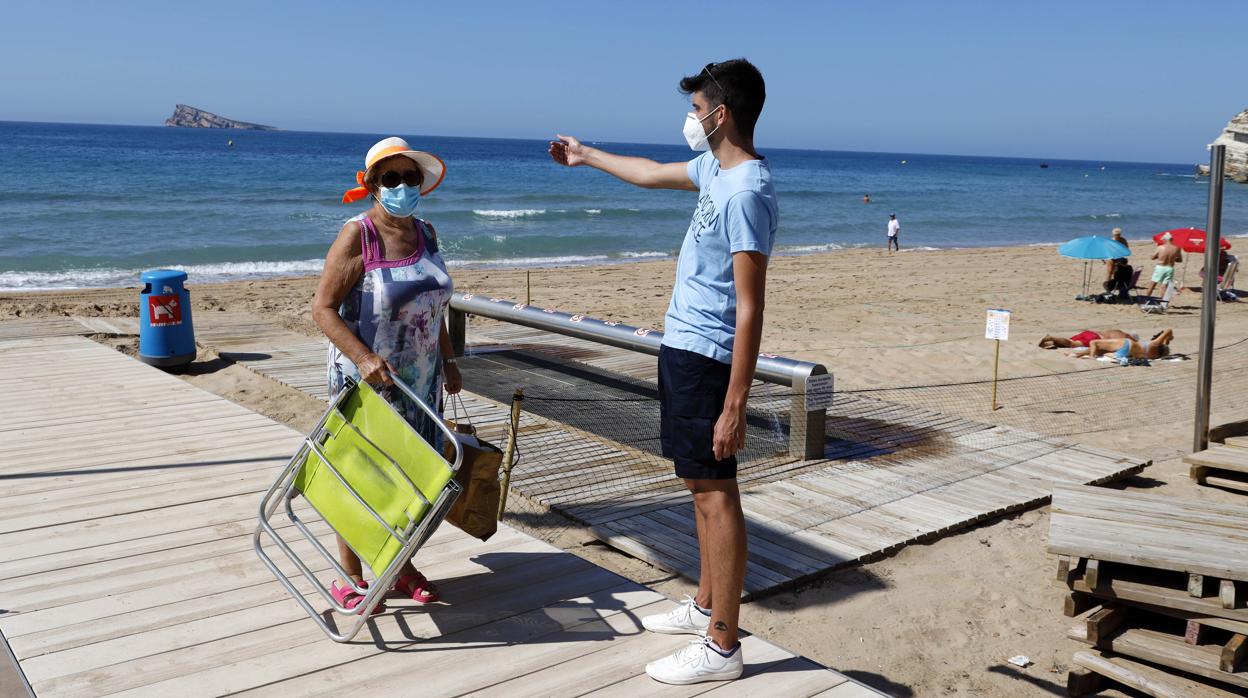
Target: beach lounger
column 378, row 485
column 1160, row 306
column 1226, row 284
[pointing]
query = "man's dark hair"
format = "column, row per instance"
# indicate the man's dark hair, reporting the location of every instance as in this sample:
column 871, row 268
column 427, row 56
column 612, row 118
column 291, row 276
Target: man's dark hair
column 737, row 85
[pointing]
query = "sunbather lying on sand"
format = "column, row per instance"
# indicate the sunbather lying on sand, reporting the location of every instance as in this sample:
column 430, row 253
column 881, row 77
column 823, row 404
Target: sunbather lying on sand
column 1083, row 339
column 1128, row 348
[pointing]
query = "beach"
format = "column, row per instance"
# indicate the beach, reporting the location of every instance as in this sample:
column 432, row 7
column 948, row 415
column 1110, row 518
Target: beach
column 933, row 619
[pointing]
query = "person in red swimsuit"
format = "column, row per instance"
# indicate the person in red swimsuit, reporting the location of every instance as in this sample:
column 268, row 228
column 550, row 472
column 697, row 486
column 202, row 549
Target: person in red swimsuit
column 1083, row 339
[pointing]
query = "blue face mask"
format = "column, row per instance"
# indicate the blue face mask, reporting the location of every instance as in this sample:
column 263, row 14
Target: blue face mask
column 400, row 201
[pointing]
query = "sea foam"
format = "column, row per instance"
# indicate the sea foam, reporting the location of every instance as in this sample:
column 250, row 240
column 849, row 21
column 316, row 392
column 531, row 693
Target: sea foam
column 509, row 213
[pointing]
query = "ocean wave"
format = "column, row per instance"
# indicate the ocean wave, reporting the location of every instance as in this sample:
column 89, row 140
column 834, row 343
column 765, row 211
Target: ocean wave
column 800, row 249
column 643, row 255
column 509, row 213
column 562, row 260
column 196, row 273
column 549, row 213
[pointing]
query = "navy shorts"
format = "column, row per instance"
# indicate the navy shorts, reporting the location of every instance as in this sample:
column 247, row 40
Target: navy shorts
column 692, row 389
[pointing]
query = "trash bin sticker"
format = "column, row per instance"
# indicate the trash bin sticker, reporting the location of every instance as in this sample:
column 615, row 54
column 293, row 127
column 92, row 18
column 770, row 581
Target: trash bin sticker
column 163, row 311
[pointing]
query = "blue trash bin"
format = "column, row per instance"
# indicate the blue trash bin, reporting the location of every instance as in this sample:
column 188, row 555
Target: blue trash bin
column 166, row 336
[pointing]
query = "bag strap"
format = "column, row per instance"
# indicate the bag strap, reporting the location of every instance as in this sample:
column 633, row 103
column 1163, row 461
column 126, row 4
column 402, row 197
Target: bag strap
column 457, row 405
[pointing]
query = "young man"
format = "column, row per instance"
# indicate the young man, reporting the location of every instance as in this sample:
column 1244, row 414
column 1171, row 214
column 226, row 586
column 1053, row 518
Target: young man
column 710, row 346
column 893, row 229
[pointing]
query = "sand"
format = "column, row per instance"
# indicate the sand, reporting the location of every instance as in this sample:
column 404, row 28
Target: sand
column 933, row 619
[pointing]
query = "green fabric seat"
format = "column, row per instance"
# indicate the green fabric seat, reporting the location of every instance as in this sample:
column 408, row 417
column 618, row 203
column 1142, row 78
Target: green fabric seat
column 359, row 455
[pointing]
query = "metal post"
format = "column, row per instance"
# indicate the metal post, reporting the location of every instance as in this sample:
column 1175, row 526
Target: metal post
column 996, row 362
column 509, row 458
column 1209, row 302
column 806, row 426
column 457, row 327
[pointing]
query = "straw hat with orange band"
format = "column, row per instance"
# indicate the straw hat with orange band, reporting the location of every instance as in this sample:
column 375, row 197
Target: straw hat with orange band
column 431, row 165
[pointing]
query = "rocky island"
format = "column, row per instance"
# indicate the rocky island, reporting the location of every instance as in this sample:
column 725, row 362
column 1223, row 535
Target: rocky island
column 1235, row 138
column 185, row 116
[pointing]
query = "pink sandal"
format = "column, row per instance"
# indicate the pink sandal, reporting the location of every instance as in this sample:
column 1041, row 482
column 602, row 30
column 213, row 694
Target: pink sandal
column 420, row 590
column 350, row 598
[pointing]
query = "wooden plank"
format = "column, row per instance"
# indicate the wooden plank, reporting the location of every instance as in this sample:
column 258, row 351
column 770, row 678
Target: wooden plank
column 1104, row 622
column 1081, row 681
column 1172, row 652
column 1223, row 457
column 1223, row 479
column 1155, row 597
column 1233, row 652
column 1237, row 441
column 758, row 655
column 1076, row 603
column 1195, row 585
column 1147, row 679
column 550, row 637
column 1204, row 538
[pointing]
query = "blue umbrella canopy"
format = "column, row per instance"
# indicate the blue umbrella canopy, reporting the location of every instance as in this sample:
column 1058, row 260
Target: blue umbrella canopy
column 1094, row 247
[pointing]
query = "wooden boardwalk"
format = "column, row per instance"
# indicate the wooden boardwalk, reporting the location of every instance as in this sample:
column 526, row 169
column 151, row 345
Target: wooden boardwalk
column 893, row 474
column 125, row 517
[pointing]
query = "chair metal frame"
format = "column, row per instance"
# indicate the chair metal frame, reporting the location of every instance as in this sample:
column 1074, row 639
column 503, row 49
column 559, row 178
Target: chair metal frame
column 412, row 536
column 1161, row 306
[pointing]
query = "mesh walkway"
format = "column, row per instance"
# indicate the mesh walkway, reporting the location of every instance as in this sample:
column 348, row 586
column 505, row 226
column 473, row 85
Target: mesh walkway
column 893, row 473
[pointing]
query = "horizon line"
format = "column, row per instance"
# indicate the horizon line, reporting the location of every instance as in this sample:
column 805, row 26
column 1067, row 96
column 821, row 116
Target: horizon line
column 661, row 145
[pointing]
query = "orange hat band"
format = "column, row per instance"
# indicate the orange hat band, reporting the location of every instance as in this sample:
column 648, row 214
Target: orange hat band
column 385, row 153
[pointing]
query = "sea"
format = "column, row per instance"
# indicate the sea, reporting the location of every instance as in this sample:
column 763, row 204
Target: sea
column 93, row 205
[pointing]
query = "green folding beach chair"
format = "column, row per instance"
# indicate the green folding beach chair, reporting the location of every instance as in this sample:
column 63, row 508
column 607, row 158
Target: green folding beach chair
column 377, row 484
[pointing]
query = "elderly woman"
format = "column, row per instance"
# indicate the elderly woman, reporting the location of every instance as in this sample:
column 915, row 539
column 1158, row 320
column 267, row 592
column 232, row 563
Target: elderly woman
column 381, row 301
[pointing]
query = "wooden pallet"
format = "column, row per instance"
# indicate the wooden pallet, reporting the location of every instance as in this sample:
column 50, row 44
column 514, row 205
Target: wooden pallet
column 1161, row 532
column 1133, row 632
column 1224, row 466
column 1093, row 669
column 1191, row 598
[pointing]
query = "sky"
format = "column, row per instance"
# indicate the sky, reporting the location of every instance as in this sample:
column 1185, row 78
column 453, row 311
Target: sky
column 1147, row 81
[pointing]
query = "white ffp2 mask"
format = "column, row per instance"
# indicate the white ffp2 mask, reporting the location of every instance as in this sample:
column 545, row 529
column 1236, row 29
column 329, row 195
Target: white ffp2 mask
column 695, row 132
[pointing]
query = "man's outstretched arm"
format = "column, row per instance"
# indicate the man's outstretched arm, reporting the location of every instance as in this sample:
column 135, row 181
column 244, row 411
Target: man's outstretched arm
column 643, row 172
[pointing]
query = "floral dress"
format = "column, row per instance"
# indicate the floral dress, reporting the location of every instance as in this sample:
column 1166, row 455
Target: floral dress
column 396, row 310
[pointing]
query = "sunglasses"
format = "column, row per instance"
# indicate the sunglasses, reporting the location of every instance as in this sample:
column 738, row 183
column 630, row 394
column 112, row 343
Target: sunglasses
column 392, row 178
column 711, row 75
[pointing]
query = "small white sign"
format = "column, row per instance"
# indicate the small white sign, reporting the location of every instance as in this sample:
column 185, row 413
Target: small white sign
column 819, row 390
column 998, row 325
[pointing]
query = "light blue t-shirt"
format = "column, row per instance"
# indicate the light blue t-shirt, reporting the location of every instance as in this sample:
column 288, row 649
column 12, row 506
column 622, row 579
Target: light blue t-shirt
column 737, row 212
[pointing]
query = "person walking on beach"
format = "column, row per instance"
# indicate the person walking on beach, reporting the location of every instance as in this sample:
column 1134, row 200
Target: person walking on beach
column 1166, row 256
column 894, row 228
column 380, row 301
column 713, row 328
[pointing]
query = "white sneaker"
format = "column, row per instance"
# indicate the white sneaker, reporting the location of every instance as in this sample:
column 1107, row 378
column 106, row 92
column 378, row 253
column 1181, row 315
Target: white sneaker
column 697, row 662
column 684, row 619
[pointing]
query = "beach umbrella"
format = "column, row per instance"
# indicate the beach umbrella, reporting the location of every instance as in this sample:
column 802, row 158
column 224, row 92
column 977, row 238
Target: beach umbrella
column 1189, row 240
column 1089, row 248
column 1094, row 247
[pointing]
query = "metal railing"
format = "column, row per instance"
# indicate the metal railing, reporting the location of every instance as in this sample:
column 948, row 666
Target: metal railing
column 811, row 383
